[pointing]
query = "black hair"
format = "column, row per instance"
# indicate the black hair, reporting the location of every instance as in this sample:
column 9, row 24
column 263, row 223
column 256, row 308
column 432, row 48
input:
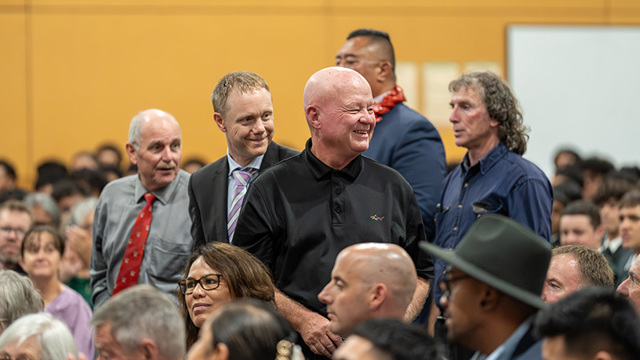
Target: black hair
column 583, row 207
column 593, row 319
column 397, row 339
column 251, row 329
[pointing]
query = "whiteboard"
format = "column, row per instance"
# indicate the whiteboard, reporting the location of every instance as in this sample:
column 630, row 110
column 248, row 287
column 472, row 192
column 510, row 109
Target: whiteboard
column 579, row 87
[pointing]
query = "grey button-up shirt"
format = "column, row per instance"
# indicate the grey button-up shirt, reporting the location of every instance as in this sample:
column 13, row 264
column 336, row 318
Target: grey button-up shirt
column 167, row 248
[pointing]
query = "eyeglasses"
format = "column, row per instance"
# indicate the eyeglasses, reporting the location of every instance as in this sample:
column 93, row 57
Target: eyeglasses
column 6, row 230
column 445, row 284
column 207, row 282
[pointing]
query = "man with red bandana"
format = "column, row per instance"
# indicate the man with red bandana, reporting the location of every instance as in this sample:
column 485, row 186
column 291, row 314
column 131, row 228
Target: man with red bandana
column 404, row 139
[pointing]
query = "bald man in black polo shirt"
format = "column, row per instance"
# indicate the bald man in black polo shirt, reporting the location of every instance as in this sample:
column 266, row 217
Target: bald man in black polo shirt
column 299, row 214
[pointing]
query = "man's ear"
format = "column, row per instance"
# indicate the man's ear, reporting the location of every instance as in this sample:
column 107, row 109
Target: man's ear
column 313, row 116
column 150, row 349
column 384, row 71
column 219, row 121
column 131, row 153
column 600, row 231
column 488, row 299
column 377, row 296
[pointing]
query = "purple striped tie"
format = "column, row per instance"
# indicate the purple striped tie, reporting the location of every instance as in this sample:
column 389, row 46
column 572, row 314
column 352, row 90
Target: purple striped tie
column 241, row 177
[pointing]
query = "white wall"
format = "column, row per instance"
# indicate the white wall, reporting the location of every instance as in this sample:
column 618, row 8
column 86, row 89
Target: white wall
column 579, row 86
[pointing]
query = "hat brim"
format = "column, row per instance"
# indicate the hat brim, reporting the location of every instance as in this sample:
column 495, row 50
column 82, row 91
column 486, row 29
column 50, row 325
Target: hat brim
column 483, row 276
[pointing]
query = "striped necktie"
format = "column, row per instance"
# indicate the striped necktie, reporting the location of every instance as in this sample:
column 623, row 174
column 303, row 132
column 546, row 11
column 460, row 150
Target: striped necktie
column 241, row 178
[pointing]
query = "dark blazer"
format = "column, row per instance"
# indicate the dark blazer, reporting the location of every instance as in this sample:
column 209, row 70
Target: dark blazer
column 208, row 190
column 407, row 142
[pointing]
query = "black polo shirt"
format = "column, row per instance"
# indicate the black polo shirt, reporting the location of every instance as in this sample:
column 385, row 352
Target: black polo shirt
column 299, row 214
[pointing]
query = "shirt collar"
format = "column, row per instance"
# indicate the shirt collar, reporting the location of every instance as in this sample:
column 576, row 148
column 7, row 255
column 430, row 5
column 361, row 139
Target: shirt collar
column 508, row 347
column 612, row 245
column 487, row 161
column 163, row 194
column 320, row 169
column 255, row 163
column 381, row 96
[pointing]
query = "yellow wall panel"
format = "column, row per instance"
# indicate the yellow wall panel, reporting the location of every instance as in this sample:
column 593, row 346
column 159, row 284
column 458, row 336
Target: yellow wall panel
column 78, row 70
column 16, row 126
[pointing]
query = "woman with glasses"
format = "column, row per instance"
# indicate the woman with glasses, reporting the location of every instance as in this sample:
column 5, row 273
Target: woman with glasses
column 215, row 274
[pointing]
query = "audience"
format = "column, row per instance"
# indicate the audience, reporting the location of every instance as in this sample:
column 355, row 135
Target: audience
column 49, row 173
column 608, row 198
column 630, row 221
column 37, row 336
column 491, row 293
column 563, row 194
column 580, row 225
column 7, row 176
column 44, row 209
column 193, row 164
column 41, row 252
column 245, row 330
column 18, row 297
column 574, row 267
column 224, row 272
column 387, row 339
column 84, row 160
column 593, row 170
column 566, row 157
column 593, row 323
column 15, row 220
column 368, row 280
column 77, row 254
column 109, row 156
column 139, row 322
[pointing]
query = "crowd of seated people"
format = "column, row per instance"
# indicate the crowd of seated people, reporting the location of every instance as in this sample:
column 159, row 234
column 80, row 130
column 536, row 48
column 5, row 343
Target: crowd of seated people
column 106, row 260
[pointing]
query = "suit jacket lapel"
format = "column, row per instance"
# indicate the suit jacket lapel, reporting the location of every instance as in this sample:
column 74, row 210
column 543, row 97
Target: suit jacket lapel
column 218, row 227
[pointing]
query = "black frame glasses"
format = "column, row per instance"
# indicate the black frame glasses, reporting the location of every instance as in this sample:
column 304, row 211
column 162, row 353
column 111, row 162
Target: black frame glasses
column 188, row 285
column 445, row 284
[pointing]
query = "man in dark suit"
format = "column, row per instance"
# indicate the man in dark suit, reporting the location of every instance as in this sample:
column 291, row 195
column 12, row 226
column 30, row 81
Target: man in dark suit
column 404, row 139
column 244, row 112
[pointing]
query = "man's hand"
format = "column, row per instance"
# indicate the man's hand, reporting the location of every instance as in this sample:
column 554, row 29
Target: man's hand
column 313, row 327
column 315, row 332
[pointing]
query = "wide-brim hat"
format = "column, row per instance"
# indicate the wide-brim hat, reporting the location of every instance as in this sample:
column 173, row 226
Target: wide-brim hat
column 502, row 254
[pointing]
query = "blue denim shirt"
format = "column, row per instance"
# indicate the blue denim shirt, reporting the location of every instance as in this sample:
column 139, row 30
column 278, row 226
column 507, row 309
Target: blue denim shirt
column 502, row 182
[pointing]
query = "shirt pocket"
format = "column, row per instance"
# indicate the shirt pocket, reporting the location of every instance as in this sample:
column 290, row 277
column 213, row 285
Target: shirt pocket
column 167, row 259
column 483, row 207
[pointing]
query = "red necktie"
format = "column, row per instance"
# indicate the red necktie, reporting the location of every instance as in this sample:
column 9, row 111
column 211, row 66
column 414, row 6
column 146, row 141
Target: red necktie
column 130, row 267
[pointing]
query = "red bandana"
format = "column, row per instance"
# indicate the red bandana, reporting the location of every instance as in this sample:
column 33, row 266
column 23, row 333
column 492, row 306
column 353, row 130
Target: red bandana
column 396, row 95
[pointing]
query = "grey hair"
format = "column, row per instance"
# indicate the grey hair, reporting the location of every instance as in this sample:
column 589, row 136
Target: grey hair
column 143, row 312
column 51, row 334
column 80, row 210
column 47, row 203
column 18, row 297
column 135, row 128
